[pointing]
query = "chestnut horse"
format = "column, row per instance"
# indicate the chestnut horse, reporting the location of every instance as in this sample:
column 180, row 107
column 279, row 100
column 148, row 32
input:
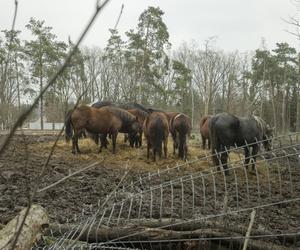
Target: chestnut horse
column 180, row 128
column 204, row 131
column 156, row 130
column 96, row 121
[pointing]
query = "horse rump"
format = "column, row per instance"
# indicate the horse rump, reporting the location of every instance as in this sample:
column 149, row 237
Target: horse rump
column 180, row 126
column 156, row 132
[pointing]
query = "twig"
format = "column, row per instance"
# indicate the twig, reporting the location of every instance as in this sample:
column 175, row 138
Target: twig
column 15, row 15
column 249, row 229
column 52, row 80
column 70, row 175
column 119, row 17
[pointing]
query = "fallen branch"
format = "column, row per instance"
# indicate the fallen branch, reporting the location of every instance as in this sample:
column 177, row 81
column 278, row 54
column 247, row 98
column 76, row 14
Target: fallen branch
column 249, row 230
column 36, row 219
column 143, row 235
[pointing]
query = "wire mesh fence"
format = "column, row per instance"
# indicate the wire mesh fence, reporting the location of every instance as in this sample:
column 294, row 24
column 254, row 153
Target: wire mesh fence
column 204, row 209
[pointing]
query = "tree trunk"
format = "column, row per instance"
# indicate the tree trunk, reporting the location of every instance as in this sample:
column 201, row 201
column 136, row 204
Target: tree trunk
column 298, row 114
column 274, row 107
column 34, row 222
column 283, row 112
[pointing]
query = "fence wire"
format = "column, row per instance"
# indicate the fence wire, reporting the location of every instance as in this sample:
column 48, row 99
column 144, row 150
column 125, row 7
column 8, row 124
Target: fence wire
column 168, row 200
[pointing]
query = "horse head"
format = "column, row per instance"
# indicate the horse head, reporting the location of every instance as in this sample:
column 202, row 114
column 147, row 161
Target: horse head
column 135, row 132
column 267, row 138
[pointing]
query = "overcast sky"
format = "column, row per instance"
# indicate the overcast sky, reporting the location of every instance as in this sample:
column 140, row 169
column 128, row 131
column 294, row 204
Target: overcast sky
column 238, row 24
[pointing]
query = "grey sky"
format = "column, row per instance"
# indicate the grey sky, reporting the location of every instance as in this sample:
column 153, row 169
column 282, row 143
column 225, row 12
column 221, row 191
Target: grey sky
column 238, row 24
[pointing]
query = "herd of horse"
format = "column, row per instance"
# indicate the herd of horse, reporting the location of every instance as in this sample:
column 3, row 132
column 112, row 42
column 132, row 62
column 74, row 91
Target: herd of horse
column 106, row 119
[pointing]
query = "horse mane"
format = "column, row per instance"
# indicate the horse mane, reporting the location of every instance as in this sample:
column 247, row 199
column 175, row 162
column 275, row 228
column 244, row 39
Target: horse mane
column 101, row 104
column 260, row 123
column 132, row 105
column 124, row 115
column 142, row 113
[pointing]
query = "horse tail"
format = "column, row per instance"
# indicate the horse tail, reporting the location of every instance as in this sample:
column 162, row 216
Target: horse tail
column 182, row 132
column 159, row 135
column 214, row 140
column 68, row 126
column 203, row 120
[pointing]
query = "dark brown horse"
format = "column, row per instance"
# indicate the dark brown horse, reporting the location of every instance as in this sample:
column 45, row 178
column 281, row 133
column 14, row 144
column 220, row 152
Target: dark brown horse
column 204, row 131
column 96, row 121
column 130, row 125
column 136, row 109
column 229, row 130
column 180, row 128
column 141, row 116
column 156, row 130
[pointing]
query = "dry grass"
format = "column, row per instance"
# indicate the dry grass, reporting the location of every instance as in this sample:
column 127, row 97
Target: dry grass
column 137, row 158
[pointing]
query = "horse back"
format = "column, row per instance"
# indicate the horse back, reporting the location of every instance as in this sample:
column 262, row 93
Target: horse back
column 224, row 130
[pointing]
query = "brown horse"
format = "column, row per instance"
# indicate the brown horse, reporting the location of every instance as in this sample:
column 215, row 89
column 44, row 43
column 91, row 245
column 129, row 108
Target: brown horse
column 156, row 130
column 141, row 116
column 171, row 115
column 180, row 128
column 96, row 121
column 204, row 131
column 130, row 125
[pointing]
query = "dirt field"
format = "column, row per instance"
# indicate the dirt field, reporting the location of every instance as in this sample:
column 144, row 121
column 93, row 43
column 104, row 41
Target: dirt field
column 24, row 159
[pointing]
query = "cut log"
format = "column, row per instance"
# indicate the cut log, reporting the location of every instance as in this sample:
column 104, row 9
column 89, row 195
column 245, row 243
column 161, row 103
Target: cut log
column 35, row 220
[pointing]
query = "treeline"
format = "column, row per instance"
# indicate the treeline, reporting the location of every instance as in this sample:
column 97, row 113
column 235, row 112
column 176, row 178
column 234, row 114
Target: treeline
column 144, row 68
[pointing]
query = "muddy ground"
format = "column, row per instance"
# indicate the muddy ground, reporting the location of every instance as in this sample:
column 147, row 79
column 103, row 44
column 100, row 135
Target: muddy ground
column 24, row 160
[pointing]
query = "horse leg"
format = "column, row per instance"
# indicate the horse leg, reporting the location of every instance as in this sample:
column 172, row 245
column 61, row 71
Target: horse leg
column 148, row 149
column 254, row 153
column 74, row 144
column 208, row 142
column 247, row 155
column 174, row 147
column 154, row 154
column 114, row 139
column 203, row 141
column 103, row 142
column 141, row 139
column 185, row 151
column 77, row 147
column 224, row 158
column 125, row 138
column 166, row 147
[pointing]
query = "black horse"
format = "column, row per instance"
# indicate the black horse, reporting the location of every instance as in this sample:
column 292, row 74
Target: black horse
column 228, row 130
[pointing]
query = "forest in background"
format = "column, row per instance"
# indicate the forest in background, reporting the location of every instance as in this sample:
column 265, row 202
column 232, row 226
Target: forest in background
column 196, row 78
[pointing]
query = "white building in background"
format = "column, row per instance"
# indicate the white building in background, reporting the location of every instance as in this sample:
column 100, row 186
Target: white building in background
column 47, row 125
